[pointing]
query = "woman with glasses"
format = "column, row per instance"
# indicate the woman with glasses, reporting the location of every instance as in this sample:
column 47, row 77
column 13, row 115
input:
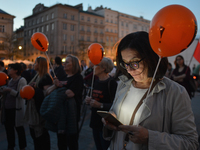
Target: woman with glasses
column 164, row 120
column 181, row 74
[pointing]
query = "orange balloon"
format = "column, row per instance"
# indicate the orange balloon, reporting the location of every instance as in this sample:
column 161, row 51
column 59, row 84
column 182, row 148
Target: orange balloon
column 3, row 78
column 172, row 30
column 95, row 53
column 40, row 41
column 27, row 92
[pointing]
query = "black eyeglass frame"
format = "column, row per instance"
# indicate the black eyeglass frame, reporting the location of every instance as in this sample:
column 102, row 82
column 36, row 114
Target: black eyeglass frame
column 125, row 65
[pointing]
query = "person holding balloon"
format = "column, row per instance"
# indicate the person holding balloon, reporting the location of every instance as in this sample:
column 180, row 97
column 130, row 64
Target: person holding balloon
column 103, row 94
column 14, row 107
column 40, row 83
column 162, row 120
column 73, row 82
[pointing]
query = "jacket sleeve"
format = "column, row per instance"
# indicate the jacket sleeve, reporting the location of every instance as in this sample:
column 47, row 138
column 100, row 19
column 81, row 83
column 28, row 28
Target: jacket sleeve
column 182, row 128
column 22, row 82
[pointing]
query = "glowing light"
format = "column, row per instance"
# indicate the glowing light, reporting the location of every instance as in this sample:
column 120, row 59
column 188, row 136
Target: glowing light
column 63, row 60
column 194, row 77
column 20, row 47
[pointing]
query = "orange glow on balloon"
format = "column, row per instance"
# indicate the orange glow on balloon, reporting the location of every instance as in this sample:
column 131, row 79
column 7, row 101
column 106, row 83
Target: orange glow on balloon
column 40, row 41
column 3, row 78
column 95, row 53
column 27, row 92
column 172, row 30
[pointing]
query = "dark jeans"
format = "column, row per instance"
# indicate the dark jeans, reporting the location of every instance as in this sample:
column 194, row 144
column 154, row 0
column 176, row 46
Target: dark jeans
column 42, row 142
column 67, row 141
column 100, row 143
column 10, row 130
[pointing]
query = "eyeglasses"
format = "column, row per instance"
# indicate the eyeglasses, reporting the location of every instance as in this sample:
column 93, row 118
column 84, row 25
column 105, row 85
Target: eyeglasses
column 133, row 64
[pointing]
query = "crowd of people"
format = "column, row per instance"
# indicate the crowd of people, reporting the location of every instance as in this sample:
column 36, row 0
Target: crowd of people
column 157, row 121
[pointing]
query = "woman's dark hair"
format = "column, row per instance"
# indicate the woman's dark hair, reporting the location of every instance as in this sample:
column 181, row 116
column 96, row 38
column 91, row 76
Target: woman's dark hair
column 16, row 66
column 58, row 60
column 176, row 64
column 139, row 41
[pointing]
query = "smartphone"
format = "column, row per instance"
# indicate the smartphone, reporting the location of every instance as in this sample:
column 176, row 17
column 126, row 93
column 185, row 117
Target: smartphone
column 109, row 117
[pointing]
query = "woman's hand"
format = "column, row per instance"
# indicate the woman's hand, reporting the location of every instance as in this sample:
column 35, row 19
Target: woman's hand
column 87, row 100
column 32, row 84
column 6, row 89
column 137, row 134
column 94, row 103
column 109, row 125
column 56, row 82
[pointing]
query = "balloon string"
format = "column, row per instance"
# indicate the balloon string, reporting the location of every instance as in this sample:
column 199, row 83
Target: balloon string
column 92, row 81
column 154, row 76
column 50, row 64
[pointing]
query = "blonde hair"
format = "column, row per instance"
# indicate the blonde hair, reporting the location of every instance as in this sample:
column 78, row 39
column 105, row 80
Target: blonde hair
column 43, row 66
column 107, row 64
column 75, row 63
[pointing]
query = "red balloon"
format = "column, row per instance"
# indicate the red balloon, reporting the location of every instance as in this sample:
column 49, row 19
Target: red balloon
column 40, row 41
column 3, row 78
column 172, row 30
column 27, row 92
column 95, row 53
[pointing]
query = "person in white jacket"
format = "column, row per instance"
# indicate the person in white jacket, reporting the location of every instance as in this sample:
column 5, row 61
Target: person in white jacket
column 14, row 107
column 164, row 120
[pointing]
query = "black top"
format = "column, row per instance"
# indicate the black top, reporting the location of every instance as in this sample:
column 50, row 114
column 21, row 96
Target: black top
column 102, row 94
column 60, row 73
column 75, row 84
column 39, row 95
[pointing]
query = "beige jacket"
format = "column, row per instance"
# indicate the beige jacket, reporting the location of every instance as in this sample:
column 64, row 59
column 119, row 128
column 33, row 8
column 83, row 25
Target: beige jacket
column 166, row 113
column 20, row 103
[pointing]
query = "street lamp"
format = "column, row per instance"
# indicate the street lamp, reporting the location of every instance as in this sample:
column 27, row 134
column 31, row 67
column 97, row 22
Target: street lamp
column 20, row 47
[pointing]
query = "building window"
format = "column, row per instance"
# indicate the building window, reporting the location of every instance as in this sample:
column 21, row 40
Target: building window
column 52, row 15
column 101, row 31
column 33, row 30
column 52, row 26
column 29, row 32
column 101, row 21
column 42, row 29
column 72, row 17
column 82, row 28
column 82, row 17
column 33, row 22
column 122, row 23
column 101, row 40
column 95, row 30
column 107, row 38
column 47, row 17
column 29, row 23
column 95, row 21
column 135, row 26
column 95, row 39
column 64, row 26
column 65, row 37
column 111, row 30
column 111, row 39
column 72, row 27
column 126, row 24
column 65, row 15
column 111, row 21
column 88, row 19
column 38, row 20
column 88, row 39
column 88, row 29
column 106, row 29
column 115, row 31
column 38, row 29
column 2, row 28
column 72, row 38
column 82, row 38
column 47, row 27
column 42, row 19
column 115, row 39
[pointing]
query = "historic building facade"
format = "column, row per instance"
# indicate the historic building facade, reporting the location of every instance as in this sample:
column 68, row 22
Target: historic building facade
column 6, row 34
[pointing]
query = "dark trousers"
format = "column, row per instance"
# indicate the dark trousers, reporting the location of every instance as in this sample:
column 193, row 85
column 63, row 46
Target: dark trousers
column 67, row 141
column 42, row 142
column 100, row 143
column 10, row 130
